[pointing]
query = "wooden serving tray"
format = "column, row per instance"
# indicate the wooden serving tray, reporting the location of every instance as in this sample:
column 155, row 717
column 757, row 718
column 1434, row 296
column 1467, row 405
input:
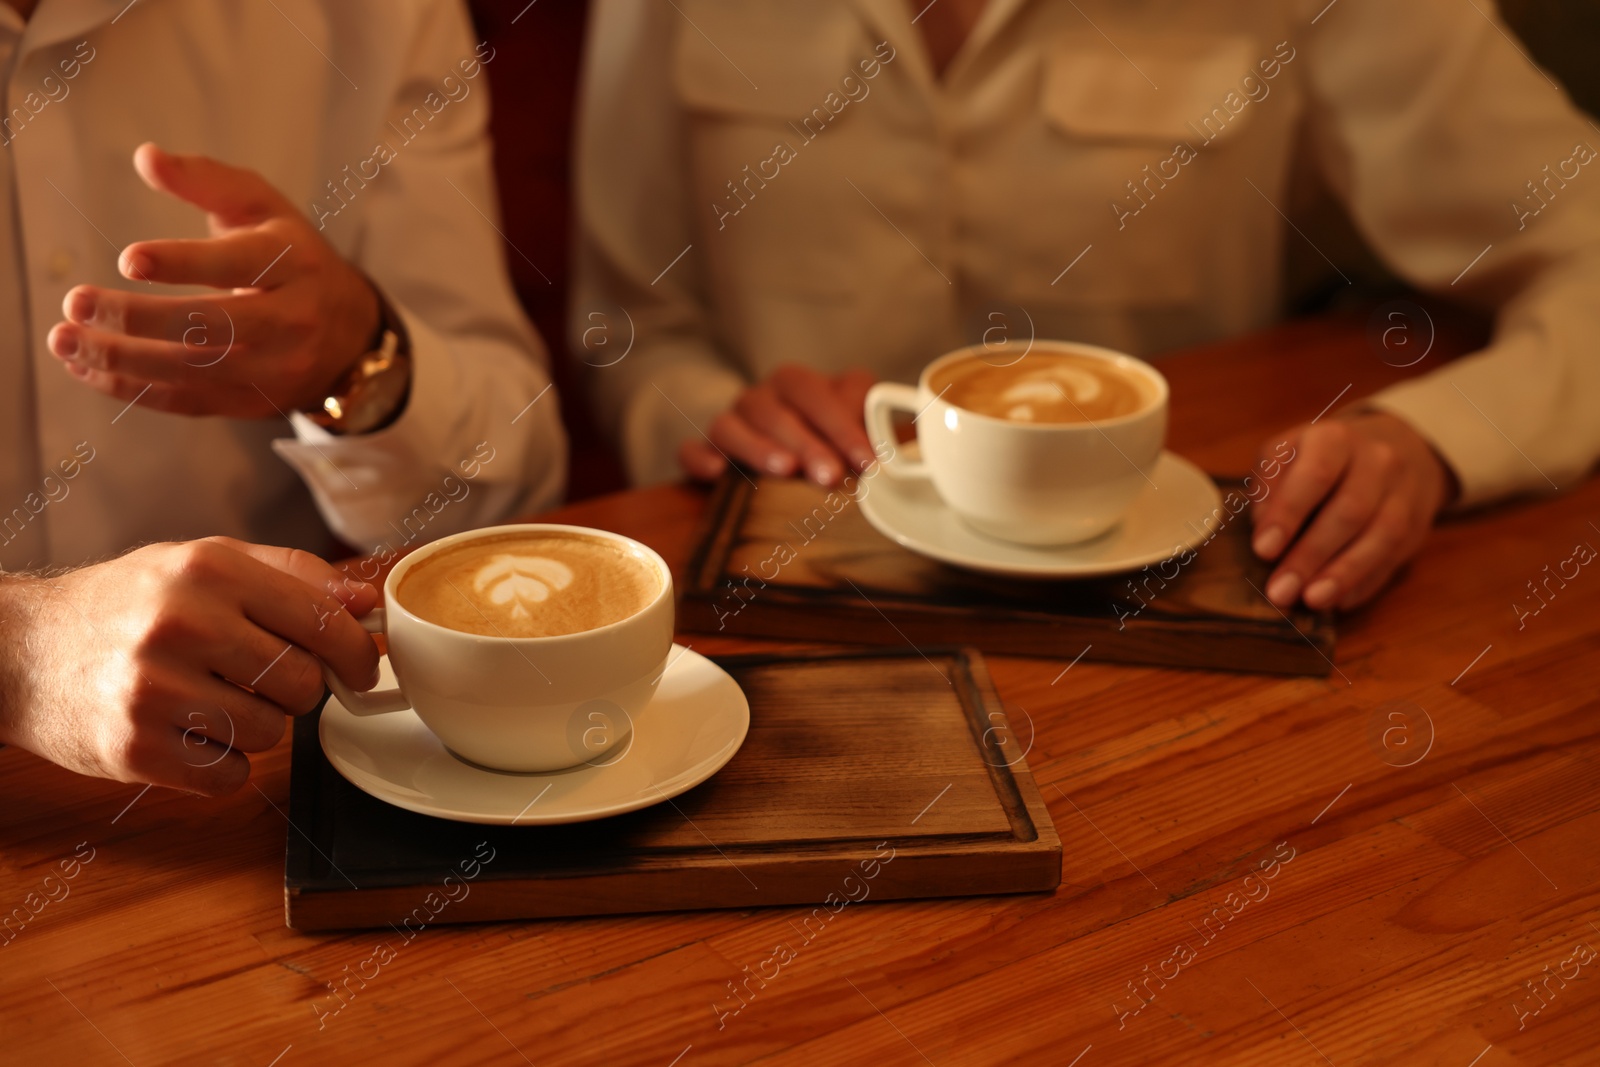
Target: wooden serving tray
column 865, row 776
column 775, row 560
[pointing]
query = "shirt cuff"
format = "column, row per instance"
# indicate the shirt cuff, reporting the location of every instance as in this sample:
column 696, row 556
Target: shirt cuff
column 1471, row 439
column 678, row 402
column 358, row 481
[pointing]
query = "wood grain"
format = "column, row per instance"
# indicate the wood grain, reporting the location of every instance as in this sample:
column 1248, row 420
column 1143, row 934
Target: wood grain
column 1422, row 895
column 825, row 802
column 782, row 558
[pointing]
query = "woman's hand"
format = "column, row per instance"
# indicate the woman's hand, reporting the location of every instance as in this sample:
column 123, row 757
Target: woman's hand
column 798, row 421
column 1356, row 502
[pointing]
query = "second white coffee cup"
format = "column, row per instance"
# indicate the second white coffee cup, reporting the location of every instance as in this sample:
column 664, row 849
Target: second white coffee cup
column 1028, row 483
column 529, row 704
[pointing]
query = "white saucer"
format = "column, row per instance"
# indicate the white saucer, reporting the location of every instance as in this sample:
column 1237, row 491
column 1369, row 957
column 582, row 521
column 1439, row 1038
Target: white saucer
column 695, row 724
column 1168, row 517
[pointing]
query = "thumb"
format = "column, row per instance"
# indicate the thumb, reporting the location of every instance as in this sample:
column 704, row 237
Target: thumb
column 233, row 195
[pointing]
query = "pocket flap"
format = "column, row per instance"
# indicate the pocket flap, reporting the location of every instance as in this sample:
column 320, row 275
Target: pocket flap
column 777, row 60
column 1147, row 88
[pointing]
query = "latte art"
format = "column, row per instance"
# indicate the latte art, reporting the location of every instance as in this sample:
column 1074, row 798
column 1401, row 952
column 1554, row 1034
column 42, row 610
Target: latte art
column 1039, row 392
column 1044, row 388
column 529, row 585
column 519, row 581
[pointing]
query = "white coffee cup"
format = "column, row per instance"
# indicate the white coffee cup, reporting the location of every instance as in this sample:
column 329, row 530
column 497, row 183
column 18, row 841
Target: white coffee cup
column 529, row 704
column 1028, row 483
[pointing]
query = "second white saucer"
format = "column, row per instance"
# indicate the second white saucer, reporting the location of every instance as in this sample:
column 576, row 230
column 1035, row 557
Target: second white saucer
column 1170, row 515
column 696, row 722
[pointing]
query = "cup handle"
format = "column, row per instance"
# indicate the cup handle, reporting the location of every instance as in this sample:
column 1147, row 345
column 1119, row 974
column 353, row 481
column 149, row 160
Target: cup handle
column 883, row 399
column 378, row 702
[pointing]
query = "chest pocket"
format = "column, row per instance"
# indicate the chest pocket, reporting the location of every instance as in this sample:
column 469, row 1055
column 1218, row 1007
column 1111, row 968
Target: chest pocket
column 777, row 61
column 771, row 94
column 1108, row 122
column 1160, row 90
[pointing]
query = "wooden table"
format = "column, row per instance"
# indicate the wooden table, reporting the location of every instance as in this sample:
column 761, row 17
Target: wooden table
column 1434, row 806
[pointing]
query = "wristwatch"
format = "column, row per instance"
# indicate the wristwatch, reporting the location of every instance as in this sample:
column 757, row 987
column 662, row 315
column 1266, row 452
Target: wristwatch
column 373, row 392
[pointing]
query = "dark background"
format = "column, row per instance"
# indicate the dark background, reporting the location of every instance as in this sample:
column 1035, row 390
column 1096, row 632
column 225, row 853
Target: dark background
column 534, row 80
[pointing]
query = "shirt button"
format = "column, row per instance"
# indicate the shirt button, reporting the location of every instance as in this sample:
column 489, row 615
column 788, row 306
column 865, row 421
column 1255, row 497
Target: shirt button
column 61, row 264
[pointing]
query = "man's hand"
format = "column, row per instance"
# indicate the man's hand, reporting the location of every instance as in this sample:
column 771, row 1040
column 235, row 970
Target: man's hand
column 1356, row 502
column 796, row 422
column 293, row 317
column 168, row 663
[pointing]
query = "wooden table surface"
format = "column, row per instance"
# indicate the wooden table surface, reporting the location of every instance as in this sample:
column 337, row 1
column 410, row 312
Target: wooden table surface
column 1433, row 808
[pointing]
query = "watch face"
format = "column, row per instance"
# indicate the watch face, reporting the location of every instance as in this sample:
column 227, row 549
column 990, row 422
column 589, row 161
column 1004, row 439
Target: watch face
column 373, row 393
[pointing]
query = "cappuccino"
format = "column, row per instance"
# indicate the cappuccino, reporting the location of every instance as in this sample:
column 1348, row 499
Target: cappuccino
column 1044, row 388
column 529, row 585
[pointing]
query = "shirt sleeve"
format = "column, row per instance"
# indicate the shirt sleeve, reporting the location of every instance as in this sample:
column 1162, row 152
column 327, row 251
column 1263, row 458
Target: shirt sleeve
column 1474, row 176
column 480, row 437
column 639, row 289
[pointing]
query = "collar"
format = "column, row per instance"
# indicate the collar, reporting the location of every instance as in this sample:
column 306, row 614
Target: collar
column 893, row 19
column 55, row 21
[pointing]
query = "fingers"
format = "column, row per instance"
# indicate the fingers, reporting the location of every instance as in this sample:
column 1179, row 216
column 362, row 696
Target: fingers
column 325, row 630
column 233, row 194
column 149, row 360
column 796, row 421
column 1372, row 486
column 1395, row 532
column 1322, row 455
column 761, row 406
column 742, row 442
column 827, row 410
column 271, row 667
column 211, row 769
column 358, row 597
column 284, row 592
column 196, row 397
column 224, row 716
column 256, row 258
column 1368, row 479
column 700, row 461
column 205, row 326
column 165, row 757
column 180, row 399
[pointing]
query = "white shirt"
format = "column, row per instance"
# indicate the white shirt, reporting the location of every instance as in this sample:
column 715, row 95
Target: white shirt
column 1100, row 171
column 18, row 453
column 296, row 90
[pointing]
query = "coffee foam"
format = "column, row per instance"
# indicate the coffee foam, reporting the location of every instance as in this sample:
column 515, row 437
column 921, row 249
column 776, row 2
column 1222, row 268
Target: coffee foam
column 1044, row 388
column 529, row 585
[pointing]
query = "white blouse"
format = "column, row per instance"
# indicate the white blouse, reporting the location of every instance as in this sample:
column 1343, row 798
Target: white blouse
column 783, row 182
